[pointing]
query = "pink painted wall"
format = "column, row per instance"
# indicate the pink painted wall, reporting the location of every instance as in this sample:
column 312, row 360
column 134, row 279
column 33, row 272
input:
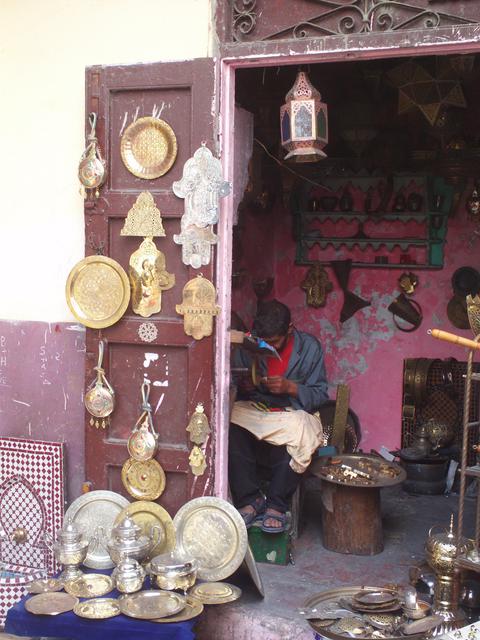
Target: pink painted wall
column 367, row 351
column 41, row 387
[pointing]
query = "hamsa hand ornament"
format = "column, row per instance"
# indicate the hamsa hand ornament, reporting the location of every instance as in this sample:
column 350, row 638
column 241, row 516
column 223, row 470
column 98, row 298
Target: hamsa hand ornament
column 198, row 426
column 198, row 307
column 148, row 278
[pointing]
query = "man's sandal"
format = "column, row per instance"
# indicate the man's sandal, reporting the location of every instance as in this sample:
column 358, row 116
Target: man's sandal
column 281, row 518
column 249, row 517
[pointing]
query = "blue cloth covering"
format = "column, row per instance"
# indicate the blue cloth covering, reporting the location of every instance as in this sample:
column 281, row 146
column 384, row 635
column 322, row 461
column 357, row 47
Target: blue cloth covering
column 67, row 625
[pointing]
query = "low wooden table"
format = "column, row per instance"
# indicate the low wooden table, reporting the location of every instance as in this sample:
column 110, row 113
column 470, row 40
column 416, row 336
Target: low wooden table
column 351, row 514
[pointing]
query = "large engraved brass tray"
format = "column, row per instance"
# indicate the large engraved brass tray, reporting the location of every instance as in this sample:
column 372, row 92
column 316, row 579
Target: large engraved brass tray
column 97, row 291
column 95, row 512
column 212, row 531
column 151, row 605
column 143, row 479
column 147, row 515
column 148, row 148
column 97, row 608
column 50, row 604
column 333, row 598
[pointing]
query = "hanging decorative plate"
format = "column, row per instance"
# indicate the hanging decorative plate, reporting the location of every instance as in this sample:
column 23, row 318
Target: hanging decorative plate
column 143, row 479
column 93, row 512
column 50, row 604
column 215, row 592
column 151, row 605
column 89, row 585
column 97, row 608
column 148, row 148
column 192, row 609
column 97, row 291
column 213, row 532
column 148, row 515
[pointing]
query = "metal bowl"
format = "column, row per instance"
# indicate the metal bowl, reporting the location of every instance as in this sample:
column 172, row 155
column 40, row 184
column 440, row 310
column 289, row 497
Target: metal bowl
column 169, row 571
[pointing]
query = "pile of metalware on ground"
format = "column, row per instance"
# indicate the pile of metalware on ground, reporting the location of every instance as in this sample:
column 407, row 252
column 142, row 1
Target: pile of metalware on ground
column 207, row 540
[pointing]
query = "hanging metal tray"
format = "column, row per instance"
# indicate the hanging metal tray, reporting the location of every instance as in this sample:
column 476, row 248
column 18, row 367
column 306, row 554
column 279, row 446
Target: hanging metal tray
column 148, row 514
column 213, row 532
column 95, row 511
column 332, row 597
column 97, row 291
column 152, row 605
column 148, row 148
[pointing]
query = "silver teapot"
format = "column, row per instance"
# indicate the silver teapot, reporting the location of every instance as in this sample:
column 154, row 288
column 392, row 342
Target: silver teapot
column 70, row 549
column 128, row 576
column 127, row 541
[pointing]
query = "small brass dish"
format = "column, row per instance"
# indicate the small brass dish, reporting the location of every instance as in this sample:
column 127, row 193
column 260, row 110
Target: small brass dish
column 45, row 585
column 97, row 608
column 90, row 585
column 421, row 610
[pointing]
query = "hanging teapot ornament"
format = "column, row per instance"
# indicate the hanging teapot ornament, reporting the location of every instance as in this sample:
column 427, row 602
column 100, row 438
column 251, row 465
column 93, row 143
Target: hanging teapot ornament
column 91, row 169
column 198, row 426
column 100, row 397
column 142, row 443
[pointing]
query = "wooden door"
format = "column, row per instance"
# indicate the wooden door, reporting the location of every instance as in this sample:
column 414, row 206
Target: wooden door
column 180, row 368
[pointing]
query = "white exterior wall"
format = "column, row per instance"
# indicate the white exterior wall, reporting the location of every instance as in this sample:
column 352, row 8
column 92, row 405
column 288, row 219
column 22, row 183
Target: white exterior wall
column 44, row 49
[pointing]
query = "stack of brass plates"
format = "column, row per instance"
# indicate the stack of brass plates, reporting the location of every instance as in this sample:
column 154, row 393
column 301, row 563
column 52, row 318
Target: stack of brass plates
column 192, row 609
column 213, row 532
column 97, row 608
column 151, row 605
column 90, row 585
column 215, row 592
column 50, row 604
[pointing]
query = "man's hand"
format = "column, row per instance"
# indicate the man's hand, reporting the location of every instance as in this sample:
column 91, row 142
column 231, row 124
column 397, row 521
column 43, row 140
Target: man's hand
column 245, row 384
column 279, row 385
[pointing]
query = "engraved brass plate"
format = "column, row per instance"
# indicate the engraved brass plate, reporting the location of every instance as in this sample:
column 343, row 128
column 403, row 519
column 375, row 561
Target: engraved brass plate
column 151, row 605
column 212, row 531
column 89, row 585
column 148, row 515
column 45, row 585
column 50, row 604
column 97, row 291
column 148, row 148
column 215, row 592
column 192, row 609
column 143, row 479
column 97, row 608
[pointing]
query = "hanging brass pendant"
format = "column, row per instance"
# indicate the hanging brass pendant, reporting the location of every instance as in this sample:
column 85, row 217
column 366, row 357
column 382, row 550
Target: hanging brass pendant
column 198, row 307
column 148, row 278
column 92, row 167
column 197, row 461
column 198, row 426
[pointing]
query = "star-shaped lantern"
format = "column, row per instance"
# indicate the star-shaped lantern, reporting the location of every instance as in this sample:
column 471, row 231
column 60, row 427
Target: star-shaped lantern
column 429, row 86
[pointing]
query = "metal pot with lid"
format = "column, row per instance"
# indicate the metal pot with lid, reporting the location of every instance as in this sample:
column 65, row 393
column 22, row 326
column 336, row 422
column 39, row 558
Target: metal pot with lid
column 173, row 571
column 127, row 542
column 70, row 549
column 128, row 576
column 442, row 549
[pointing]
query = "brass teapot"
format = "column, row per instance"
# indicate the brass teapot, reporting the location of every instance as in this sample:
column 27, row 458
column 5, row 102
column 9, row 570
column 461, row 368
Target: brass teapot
column 442, row 550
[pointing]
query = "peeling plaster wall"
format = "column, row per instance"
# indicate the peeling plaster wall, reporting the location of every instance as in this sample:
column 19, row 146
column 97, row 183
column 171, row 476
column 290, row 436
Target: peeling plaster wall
column 367, row 351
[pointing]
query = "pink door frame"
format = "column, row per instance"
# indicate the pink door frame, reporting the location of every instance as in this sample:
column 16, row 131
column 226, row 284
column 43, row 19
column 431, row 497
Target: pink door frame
column 288, row 56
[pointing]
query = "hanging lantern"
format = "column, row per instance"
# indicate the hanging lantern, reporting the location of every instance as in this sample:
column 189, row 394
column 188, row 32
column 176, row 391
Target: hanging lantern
column 304, row 122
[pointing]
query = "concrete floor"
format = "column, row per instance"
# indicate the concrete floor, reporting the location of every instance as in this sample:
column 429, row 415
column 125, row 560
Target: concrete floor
column 406, row 521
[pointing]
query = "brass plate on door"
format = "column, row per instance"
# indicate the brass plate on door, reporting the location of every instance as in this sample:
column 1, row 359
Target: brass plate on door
column 148, row 148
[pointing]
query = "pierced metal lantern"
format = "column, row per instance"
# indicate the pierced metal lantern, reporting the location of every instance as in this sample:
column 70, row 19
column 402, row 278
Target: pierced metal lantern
column 304, row 122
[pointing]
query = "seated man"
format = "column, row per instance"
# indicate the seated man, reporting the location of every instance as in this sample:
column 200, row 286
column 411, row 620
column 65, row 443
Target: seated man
column 271, row 425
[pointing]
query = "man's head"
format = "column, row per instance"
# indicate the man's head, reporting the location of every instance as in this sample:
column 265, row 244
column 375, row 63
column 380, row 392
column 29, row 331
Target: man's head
column 273, row 323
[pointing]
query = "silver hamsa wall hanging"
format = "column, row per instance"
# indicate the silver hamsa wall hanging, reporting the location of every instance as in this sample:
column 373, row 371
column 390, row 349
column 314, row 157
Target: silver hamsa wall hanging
column 202, row 185
column 91, row 168
column 147, row 272
column 198, row 307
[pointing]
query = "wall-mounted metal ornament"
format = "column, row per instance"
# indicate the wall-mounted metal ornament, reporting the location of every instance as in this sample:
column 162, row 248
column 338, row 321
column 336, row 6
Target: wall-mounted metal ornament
column 100, row 397
column 197, row 462
column 148, row 148
column 144, row 218
column 198, row 307
column 198, row 426
column 202, row 185
column 142, row 443
column 148, row 278
column 91, row 169
column 317, row 286
column 147, row 332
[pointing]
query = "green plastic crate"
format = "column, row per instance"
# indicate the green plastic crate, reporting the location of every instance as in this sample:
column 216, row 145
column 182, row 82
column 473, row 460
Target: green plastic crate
column 273, row 548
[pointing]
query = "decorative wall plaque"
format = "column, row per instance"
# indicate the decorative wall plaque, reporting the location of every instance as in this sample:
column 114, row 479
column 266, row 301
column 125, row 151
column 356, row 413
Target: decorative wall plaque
column 144, row 218
column 202, row 185
column 198, row 426
column 148, row 147
column 148, row 278
column 198, row 307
